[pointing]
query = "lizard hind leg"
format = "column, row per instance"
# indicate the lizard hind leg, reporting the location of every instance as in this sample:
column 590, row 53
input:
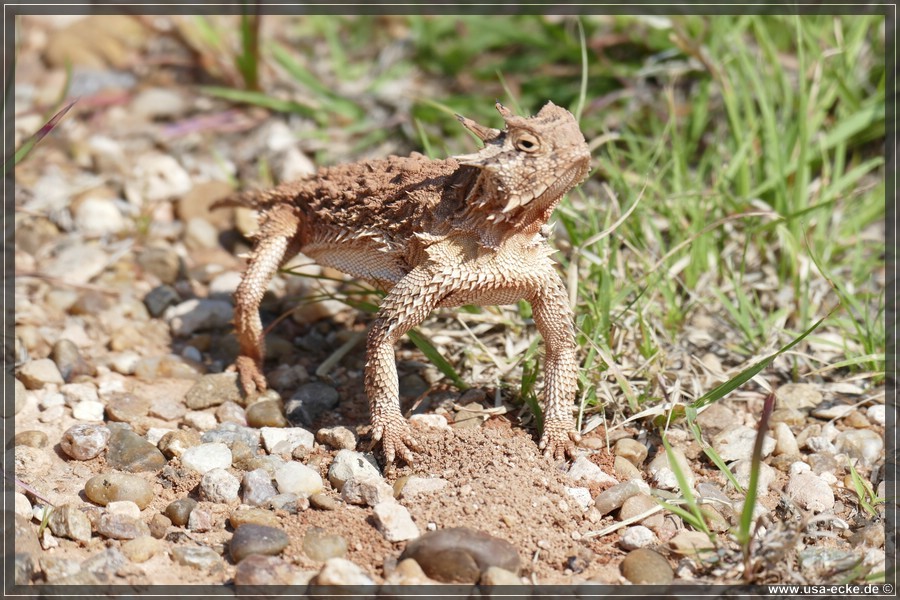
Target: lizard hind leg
column 276, row 241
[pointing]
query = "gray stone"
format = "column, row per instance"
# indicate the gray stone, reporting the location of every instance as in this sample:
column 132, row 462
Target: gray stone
column 160, row 298
column 174, row 443
column 120, row 527
column 736, row 443
column 230, row 433
column 218, row 485
column 460, row 554
column 69, row 361
column 348, row 464
column 198, row 314
column 179, row 511
column 310, row 402
column 862, row 444
column 612, row 498
column 257, row 539
column 127, row 451
column 283, row 440
column 257, row 487
column 164, row 263
column 810, row 492
column 212, row 390
column 259, row 570
column 69, row 522
column 126, row 408
column 636, row 537
column 662, row 473
column 583, row 468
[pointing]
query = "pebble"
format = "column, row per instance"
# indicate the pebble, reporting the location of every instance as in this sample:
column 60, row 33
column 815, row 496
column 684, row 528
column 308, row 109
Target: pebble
column 431, row 420
column 310, row 402
column 872, row 535
column 179, row 511
column 21, row 398
column 141, row 549
column 126, row 408
column 173, row 444
column 127, row 451
column 283, row 440
column 663, row 476
column 408, row 572
column 612, row 498
column 198, row 557
column 394, row 521
column 124, row 507
column 97, row 216
column 56, row 567
column 158, row 103
column 691, row 543
column 340, row 571
column 231, row 412
column 422, row 485
column 109, row 487
column 267, row 414
column 163, row 263
column 69, row 522
column 875, row 413
column 810, row 492
column 200, row 521
column 77, row 264
column 636, row 505
column 200, row 420
column 367, row 491
column 67, row 357
column 200, row 233
column 737, row 442
column 259, row 570
column 32, row 438
column 160, row 298
column 864, row 445
column 320, row 545
column 460, row 554
column 257, row 487
column 218, row 485
column 89, row 410
column 124, row 363
column 212, row 390
column 339, row 438
column 232, row 433
column 105, row 563
column 324, row 502
column 255, row 516
column 22, row 505
column 120, row 527
column 625, row 470
column 198, row 314
column 498, row 576
column 785, row 442
column 206, row 457
column 583, row 468
column 581, row 495
column 799, row 396
column 644, row 566
column 631, row 450
column 348, row 464
column 168, row 366
column 715, row 418
column 296, row 478
column 257, row 539
column 35, row 374
column 767, row 474
column 636, row 537
column 829, row 411
column 78, row 392
column 857, row 420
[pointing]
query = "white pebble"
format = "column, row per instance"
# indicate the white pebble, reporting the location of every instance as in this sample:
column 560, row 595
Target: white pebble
column 126, row 508
column 394, row 521
column 200, row 420
column 88, row 410
column 636, row 537
column 876, row 414
column 206, row 457
column 296, row 478
column 293, row 436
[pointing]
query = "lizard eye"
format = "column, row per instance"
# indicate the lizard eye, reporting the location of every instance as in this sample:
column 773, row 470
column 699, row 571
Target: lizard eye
column 527, row 143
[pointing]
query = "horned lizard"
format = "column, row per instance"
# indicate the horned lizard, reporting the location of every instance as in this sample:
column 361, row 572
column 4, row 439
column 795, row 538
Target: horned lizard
column 432, row 233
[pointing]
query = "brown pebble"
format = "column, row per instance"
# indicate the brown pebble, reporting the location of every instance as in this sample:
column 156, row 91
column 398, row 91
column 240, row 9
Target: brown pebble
column 644, row 566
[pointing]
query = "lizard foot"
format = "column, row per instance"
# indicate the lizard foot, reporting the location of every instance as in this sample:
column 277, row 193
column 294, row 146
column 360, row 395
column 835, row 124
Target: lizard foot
column 250, row 374
column 559, row 440
column 396, row 439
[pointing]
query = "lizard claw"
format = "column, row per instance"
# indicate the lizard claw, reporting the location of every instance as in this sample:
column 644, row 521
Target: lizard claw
column 250, row 374
column 559, row 439
column 396, row 439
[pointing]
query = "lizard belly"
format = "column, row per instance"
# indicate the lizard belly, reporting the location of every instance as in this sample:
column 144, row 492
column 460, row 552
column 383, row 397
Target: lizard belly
column 507, row 294
column 364, row 262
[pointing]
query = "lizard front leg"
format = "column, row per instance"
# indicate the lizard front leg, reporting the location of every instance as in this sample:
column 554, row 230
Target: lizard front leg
column 553, row 317
column 276, row 241
column 407, row 305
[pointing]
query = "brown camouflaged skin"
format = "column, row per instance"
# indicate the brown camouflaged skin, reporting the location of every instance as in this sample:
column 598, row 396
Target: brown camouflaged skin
column 434, row 233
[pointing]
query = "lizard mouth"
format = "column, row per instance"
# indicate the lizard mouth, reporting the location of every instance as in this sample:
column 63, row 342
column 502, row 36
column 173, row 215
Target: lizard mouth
column 572, row 177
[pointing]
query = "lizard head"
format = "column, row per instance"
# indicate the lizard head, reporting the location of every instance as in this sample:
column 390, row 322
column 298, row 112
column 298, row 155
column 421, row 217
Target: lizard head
column 527, row 167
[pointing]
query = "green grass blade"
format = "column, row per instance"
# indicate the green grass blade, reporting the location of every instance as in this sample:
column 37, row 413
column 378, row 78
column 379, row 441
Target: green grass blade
column 432, row 353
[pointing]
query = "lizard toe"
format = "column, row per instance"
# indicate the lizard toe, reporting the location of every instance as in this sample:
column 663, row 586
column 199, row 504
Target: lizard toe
column 250, row 375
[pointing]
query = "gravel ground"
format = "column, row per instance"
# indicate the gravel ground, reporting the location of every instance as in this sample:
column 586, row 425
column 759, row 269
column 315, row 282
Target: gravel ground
column 139, row 461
